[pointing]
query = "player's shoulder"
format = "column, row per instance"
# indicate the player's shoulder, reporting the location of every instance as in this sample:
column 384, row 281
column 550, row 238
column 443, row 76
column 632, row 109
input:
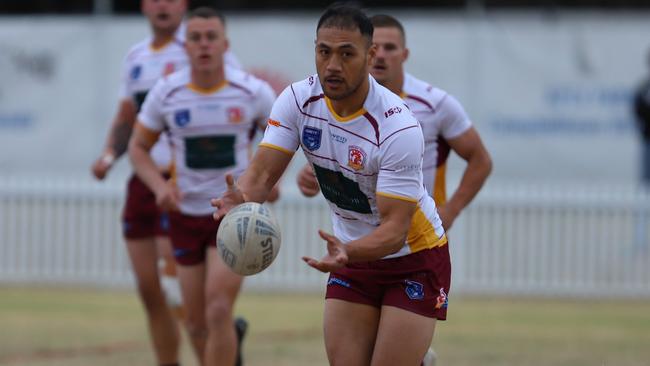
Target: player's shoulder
column 303, row 92
column 175, row 81
column 417, row 91
column 248, row 83
column 138, row 50
column 388, row 109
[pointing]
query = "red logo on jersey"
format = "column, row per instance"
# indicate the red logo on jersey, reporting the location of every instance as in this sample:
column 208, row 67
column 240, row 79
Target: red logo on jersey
column 356, row 157
column 235, row 115
column 169, row 68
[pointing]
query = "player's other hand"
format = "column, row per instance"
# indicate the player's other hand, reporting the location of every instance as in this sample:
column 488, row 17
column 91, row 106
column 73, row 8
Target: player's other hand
column 231, row 198
column 102, row 165
column 336, row 256
column 168, row 197
column 307, row 182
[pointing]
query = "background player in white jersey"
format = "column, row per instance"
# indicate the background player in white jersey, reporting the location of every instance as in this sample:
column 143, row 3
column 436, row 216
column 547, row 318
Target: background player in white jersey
column 388, row 258
column 445, row 124
column 144, row 225
column 209, row 111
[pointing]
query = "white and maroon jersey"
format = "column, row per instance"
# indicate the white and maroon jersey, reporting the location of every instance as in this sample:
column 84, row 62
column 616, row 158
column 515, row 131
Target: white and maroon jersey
column 143, row 66
column 210, row 130
column 377, row 151
column 442, row 118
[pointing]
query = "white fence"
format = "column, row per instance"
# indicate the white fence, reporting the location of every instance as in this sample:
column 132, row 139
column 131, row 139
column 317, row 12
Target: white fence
column 533, row 240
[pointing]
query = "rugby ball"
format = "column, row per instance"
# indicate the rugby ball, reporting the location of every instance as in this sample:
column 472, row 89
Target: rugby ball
column 248, row 238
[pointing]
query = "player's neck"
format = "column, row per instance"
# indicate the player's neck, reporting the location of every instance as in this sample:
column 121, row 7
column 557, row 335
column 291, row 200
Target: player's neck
column 161, row 39
column 352, row 103
column 208, row 79
column 396, row 85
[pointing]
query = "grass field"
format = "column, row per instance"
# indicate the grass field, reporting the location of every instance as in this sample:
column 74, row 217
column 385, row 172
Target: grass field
column 75, row 327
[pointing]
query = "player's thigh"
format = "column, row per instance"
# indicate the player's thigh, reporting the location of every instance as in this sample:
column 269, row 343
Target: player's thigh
column 144, row 260
column 350, row 331
column 221, row 283
column 403, row 337
column 192, row 281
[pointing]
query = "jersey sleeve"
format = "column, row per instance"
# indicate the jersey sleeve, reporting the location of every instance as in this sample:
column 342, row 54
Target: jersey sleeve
column 150, row 115
column 454, row 119
column 400, row 165
column 282, row 132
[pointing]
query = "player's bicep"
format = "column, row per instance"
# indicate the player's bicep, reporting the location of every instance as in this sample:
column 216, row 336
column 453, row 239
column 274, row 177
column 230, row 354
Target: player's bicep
column 143, row 137
column 400, row 172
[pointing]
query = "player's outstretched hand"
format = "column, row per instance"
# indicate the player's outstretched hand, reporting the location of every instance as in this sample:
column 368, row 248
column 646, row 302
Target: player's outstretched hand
column 335, row 258
column 307, row 182
column 231, row 198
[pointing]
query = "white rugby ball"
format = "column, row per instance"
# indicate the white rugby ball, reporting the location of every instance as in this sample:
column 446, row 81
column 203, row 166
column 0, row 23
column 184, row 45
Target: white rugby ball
column 248, row 239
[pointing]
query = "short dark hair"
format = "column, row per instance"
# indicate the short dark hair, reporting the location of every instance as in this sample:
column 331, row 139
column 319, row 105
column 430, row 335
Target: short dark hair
column 206, row 12
column 339, row 15
column 387, row 21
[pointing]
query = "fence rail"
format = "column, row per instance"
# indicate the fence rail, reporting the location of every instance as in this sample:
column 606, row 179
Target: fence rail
column 521, row 239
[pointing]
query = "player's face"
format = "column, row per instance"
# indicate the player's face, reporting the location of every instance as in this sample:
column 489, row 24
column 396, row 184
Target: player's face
column 164, row 15
column 391, row 54
column 205, row 43
column 342, row 60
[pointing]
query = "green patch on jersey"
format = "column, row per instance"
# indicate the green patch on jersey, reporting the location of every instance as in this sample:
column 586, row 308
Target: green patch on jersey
column 342, row 191
column 210, row 152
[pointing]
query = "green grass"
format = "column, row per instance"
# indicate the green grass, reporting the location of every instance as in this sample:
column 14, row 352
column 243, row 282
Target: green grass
column 75, row 327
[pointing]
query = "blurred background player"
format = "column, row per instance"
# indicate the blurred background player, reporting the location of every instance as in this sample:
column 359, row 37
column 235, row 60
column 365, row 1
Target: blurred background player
column 210, row 112
column 642, row 113
column 388, row 258
column 145, row 226
column 444, row 123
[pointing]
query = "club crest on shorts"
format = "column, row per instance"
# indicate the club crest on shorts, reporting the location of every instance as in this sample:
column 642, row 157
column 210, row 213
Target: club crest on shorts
column 311, row 137
column 442, row 300
column 356, row 157
column 182, row 117
column 414, row 290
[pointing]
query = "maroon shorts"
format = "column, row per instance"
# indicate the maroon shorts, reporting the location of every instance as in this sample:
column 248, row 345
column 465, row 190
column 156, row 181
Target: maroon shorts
column 141, row 217
column 191, row 236
column 417, row 282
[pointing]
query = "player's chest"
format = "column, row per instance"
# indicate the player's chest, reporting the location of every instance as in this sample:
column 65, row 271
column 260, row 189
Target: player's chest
column 144, row 72
column 189, row 113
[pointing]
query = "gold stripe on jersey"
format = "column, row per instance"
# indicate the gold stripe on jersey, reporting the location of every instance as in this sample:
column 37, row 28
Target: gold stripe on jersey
column 354, row 115
column 421, row 234
column 214, row 89
column 394, row 196
column 151, row 136
column 161, row 47
column 275, row 147
column 439, row 187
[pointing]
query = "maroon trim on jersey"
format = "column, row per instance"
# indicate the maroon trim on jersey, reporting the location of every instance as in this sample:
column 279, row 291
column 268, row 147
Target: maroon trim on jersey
column 300, row 109
column 344, row 217
column 352, row 133
column 246, row 90
column 400, row 130
column 313, row 99
column 172, row 92
column 443, row 151
column 421, row 100
column 340, row 166
column 374, row 124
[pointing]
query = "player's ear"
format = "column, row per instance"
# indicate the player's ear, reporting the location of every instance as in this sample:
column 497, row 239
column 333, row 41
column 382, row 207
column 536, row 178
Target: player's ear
column 407, row 52
column 227, row 44
column 372, row 52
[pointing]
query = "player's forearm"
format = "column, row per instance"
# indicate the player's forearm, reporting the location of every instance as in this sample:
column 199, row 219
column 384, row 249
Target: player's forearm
column 117, row 141
column 145, row 167
column 386, row 239
column 255, row 183
column 476, row 173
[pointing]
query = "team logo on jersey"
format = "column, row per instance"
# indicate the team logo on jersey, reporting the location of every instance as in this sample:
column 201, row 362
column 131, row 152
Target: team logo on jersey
column 235, row 115
column 414, row 290
column 311, row 137
column 182, row 117
column 442, row 301
column 356, row 157
column 136, row 71
column 169, row 68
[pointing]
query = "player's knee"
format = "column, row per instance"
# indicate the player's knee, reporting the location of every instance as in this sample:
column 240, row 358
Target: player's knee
column 196, row 328
column 219, row 312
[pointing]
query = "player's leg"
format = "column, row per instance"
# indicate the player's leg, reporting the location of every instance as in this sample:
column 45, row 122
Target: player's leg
column 403, row 337
column 139, row 225
column 189, row 253
column 222, row 288
column 350, row 330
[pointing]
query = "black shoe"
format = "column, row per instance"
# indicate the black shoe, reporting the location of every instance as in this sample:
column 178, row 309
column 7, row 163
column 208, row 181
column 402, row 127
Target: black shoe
column 241, row 325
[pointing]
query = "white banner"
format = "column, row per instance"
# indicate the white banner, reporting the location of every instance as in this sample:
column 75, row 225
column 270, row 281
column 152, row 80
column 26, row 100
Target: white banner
column 550, row 95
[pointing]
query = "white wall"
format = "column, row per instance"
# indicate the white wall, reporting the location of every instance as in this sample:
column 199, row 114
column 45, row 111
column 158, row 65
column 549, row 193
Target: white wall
column 549, row 94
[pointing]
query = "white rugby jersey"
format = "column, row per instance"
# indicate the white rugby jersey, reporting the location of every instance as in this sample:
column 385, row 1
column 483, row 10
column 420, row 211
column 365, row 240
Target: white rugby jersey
column 442, row 117
column 376, row 151
column 210, row 130
column 142, row 68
